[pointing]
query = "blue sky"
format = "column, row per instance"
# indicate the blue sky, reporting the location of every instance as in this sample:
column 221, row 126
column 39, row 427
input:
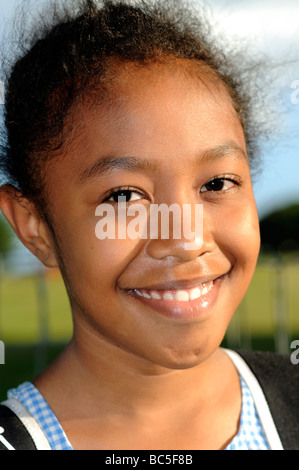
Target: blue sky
column 273, row 27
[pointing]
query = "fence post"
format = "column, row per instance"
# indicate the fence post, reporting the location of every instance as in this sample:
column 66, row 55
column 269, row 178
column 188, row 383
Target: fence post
column 246, row 337
column 43, row 317
column 281, row 336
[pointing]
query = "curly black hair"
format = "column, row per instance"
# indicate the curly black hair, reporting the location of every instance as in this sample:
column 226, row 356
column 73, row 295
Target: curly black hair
column 69, row 55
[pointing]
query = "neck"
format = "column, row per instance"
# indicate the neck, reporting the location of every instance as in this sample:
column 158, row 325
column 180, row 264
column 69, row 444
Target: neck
column 104, row 377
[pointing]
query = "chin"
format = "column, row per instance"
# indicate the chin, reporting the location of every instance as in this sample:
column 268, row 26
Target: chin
column 181, row 359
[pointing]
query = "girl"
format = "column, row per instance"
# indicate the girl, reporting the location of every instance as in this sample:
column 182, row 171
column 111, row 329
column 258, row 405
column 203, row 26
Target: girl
column 134, row 102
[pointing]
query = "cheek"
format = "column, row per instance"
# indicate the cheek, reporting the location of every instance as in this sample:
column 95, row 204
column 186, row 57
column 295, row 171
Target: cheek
column 240, row 238
column 92, row 264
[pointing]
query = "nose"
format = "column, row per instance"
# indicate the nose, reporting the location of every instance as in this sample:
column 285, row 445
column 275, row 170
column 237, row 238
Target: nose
column 186, row 237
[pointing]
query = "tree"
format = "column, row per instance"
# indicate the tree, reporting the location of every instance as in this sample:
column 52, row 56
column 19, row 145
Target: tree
column 280, row 230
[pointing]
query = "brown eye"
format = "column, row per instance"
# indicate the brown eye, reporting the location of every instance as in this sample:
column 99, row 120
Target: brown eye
column 218, row 184
column 124, row 195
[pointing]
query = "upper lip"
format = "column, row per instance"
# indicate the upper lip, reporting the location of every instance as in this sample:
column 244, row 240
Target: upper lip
column 180, row 284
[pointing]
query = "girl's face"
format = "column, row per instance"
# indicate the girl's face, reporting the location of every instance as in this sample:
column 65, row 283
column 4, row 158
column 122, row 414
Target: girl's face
column 163, row 137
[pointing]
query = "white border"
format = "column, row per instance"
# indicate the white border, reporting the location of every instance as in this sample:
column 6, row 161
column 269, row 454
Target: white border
column 259, row 400
column 39, row 438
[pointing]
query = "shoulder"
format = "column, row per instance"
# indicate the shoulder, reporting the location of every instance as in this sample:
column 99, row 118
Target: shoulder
column 276, row 372
column 21, row 418
column 279, row 380
column 272, row 366
column 18, row 429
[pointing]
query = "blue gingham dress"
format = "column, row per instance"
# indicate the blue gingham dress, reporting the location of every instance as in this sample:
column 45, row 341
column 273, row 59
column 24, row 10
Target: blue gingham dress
column 250, row 436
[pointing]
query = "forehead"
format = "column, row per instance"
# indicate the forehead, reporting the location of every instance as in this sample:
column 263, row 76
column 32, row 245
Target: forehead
column 179, row 87
column 128, row 82
column 160, row 111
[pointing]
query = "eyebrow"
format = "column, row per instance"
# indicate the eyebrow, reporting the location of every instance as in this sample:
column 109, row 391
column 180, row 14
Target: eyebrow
column 109, row 164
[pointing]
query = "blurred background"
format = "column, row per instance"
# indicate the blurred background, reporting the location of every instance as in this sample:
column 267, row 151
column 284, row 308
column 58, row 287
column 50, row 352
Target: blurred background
column 35, row 319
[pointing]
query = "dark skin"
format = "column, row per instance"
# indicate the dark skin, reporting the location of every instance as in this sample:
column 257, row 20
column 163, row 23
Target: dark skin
column 131, row 377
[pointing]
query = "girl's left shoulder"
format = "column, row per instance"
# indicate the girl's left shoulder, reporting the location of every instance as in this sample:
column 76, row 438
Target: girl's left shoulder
column 278, row 378
column 273, row 367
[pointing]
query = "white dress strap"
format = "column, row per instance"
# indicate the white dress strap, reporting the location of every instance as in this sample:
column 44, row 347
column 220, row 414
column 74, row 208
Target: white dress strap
column 260, row 401
column 36, row 433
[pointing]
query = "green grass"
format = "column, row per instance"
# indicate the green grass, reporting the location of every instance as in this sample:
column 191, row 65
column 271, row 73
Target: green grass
column 29, row 348
column 21, row 311
column 255, row 324
column 272, row 300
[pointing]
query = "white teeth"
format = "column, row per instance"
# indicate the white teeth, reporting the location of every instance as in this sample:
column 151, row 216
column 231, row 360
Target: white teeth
column 195, row 293
column 168, row 296
column 204, row 291
column 182, row 295
column 179, row 295
column 156, row 296
column 147, row 296
column 143, row 294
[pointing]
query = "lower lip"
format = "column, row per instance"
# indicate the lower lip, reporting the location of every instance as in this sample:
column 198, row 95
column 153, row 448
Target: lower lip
column 178, row 310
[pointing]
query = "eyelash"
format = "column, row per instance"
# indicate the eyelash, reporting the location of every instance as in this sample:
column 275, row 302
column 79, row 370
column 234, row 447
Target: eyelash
column 123, row 190
column 233, row 179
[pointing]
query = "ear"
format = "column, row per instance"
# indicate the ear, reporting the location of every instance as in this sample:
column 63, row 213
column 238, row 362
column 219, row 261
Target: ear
column 28, row 224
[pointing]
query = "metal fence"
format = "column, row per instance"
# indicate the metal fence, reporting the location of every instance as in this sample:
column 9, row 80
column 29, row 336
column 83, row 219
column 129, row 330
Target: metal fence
column 277, row 300
column 268, row 312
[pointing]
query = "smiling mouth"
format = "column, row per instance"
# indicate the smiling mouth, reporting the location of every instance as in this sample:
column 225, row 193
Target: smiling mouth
column 178, row 295
column 181, row 302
